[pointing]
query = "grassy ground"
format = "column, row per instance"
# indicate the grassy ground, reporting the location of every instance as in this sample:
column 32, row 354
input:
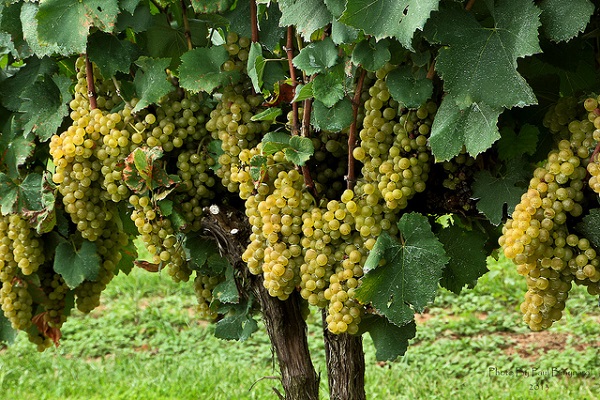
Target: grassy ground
column 145, row 343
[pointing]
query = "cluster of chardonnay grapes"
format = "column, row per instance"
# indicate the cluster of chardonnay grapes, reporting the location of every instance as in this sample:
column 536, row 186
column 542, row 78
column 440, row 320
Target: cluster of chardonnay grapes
column 321, row 245
column 540, row 237
column 231, row 120
column 22, row 262
column 203, row 288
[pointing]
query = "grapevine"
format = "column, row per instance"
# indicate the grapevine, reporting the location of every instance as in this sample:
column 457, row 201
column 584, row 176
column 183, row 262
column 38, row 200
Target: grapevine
column 285, row 162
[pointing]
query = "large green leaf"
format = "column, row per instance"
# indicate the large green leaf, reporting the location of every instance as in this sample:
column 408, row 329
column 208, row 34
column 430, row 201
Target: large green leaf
column 408, row 280
column 15, row 147
column 494, row 191
column 473, row 127
column 7, row 333
column 296, row 149
column 563, row 20
column 44, row 105
column 408, row 87
column 334, row 118
column 238, row 323
column 468, row 260
column 151, row 81
column 66, row 23
column 306, row 15
column 256, row 66
column 111, row 54
column 30, row 31
column 11, row 88
column 317, row 57
column 390, row 340
column 200, row 69
column 512, row 145
column 77, row 265
column 590, row 227
column 389, row 18
column 371, row 55
column 479, row 64
column 328, row 87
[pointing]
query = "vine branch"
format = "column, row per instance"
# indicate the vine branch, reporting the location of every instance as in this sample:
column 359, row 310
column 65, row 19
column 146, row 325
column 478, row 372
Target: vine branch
column 254, row 21
column 352, row 136
column 289, row 49
column 186, row 25
column 308, row 181
column 470, row 5
column 89, row 76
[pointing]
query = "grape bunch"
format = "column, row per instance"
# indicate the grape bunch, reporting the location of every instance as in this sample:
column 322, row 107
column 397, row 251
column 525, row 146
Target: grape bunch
column 231, row 120
column 203, row 288
column 540, row 238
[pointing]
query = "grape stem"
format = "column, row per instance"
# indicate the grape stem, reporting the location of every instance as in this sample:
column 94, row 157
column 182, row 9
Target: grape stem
column 186, row 25
column 254, row 21
column 308, row 181
column 470, row 5
column 89, row 76
column 352, row 137
column 289, row 49
column 431, row 71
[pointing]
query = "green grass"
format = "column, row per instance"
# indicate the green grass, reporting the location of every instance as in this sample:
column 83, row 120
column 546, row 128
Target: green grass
column 145, row 343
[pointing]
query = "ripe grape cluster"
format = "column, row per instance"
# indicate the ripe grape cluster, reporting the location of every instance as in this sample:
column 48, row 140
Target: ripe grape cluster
column 540, row 237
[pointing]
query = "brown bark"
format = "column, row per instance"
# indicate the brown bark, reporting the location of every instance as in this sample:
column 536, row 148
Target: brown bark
column 345, row 365
column 283, row 320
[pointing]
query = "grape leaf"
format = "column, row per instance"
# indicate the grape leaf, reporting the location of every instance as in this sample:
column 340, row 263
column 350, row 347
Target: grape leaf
column 317, row 57
column 563, row 20
column 371, row 55
column 409, row 88
column 227, row 291
column 199, row 250
column 494, row 192
column 409, row 278
column 26, row 197
column 129, row 5
column 11, row 29
column 144, row 171
column 334, row 118
column 200, row 69
column 306, row 15
column 238, row 323
column 468, row 260
column 479, row 64
column 590, row 227
column 138, row 20
column 270, row 114
column 300, row 150
column 44, row 105
column 296, row 149
column 66, row 23
column 256, row 66
column 111, row 54
column 387, row 18
column 258, row 167
column 390, row 340
column 15, row 147
column 303, row 92
column 30, row 31
column 328, row 87
column 342, row 33
column 215, row 150
column 151, row 81
column 11, row 88
column 512, row 145
column 7, row 333
column 128, row 256
column 473, row 127
column 77, row 265
column 164, row 40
